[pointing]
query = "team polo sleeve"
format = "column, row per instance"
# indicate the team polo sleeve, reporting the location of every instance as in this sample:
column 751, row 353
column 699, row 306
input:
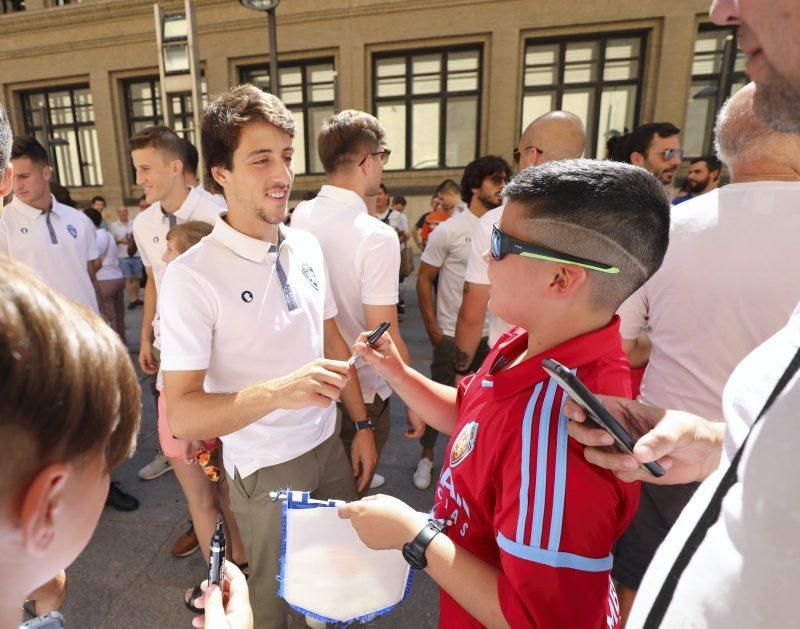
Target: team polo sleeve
column 437, row 248
column 330, row 309
column 3, row 237
column 633, row 314
column 187, row 314
column 556, row 520
column 380, row 269
column 477, row 269
column 137, row 237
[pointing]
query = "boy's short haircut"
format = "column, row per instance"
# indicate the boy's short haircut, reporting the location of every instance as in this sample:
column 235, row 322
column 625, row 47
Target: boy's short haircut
column 94, row 215
column 160, row 138
column 641, row 137
column 68, row 392
column 346, row 136
column 448, row 185
column 188, row 234
column 606, row 211
column 192, row 158
column 478, row 169
column 225, row 117
column 28, row 146
column 97, row 197
column 711, row 162
column 399, row 199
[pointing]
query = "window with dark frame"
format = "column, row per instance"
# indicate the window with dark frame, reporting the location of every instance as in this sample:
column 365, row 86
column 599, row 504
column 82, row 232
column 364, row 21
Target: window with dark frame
column 12, row 6
column 62, row 119
column 598, row 78
column 717, row 73
column 429, row 103
column 308, row 89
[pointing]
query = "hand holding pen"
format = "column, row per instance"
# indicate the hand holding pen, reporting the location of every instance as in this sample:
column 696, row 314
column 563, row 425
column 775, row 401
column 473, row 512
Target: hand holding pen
column 371, row 339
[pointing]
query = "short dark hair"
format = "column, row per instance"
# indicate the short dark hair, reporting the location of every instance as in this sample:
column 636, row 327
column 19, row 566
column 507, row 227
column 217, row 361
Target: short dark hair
column 712, row 163
column 67, row 391
column 617, row 148
column 605, row 211
column 28, row 146
column 98, row 198
column 61, row 194
column 383, row 187
column 226, row 116
column 94, row 216
column 399, row 199
column 642, row 136
column 161, row 138
column 477, row 170
column 6, row 140
column 448, row 185
column 192, row 158
column 345, row 135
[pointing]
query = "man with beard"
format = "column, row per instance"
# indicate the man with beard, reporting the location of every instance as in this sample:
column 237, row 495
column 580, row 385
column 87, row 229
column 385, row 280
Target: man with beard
column 247, row 321
column 447, row 254
column 731, row 560
column 703, row 177
column 656, row 147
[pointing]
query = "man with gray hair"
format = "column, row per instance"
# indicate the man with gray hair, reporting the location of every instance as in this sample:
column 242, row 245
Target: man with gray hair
column 723, row 272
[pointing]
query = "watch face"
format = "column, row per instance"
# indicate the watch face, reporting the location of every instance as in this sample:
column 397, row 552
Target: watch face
column 416, row 562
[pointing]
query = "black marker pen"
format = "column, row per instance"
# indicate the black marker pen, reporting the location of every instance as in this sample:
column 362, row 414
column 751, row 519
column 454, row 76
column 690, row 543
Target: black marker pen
column 373, row 338
column 216, row 562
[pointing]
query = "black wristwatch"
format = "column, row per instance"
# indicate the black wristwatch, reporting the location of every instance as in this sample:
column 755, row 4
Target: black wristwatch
column 462, row 372
column 364, row 424
column 414, row 551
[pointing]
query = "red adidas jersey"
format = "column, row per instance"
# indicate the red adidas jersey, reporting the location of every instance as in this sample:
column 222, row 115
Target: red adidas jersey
column 522, row 497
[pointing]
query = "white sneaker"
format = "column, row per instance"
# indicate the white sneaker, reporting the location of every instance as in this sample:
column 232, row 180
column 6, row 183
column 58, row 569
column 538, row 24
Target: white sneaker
column 377, row 481
column 158, row 466
column 422, row 477
column 314, row 623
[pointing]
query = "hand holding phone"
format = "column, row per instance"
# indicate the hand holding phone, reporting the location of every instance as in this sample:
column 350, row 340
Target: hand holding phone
column 598, row 413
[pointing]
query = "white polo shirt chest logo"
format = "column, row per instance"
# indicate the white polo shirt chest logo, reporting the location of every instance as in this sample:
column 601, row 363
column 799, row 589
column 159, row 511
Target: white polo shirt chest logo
column 247, row 296
column 72, row 231
column 308, row 273
column 24, row 230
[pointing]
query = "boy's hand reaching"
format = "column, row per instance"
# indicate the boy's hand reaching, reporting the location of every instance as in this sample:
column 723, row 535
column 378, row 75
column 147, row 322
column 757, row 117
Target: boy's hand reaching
column 383, row 522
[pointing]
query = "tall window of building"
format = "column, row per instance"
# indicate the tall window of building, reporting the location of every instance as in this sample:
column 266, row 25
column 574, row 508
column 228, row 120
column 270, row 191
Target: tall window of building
column 717, row 72
column 599, row 79
column 62, row 119
column 12, row 6
column 143, row 107
column 308, row 89
column 429, row 102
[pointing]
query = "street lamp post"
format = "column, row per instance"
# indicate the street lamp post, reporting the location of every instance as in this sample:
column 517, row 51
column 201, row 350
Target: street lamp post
column 269, row 6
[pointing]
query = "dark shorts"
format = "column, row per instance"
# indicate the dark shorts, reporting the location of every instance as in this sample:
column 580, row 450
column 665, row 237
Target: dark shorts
column 131, row 267
column 659, row 507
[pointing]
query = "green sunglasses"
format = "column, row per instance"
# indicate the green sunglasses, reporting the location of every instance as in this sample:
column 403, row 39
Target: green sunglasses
column 502, row 244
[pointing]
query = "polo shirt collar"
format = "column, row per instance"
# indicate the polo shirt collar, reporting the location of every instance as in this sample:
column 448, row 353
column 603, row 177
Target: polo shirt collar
column 184, row 212
column 575, row 353
column 344, row 196
column 242, row 244
column 32, row 212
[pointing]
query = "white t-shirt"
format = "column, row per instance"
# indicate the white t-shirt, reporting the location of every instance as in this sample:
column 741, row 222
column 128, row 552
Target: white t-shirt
column 122, row 230
column 223, row 310
column 109, row 269
column 745, row 572
column 150, row 227
column 448, row 250
column 477, row 268
column 398, row 222
column 216, row 198
column 726, row 285
column 59, row 258
column 363, row 259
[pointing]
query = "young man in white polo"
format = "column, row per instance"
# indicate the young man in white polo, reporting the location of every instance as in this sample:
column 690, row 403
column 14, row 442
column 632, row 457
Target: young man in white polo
column 250, row 348
column 362, row 253
column 159, row 157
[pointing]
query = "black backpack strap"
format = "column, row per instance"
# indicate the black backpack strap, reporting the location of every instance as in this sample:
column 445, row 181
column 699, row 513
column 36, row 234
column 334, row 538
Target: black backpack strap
column 712, row 511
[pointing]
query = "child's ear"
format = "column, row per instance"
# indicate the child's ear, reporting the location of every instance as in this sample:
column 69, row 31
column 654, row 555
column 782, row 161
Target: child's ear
column 566, row 281
column 40, row 508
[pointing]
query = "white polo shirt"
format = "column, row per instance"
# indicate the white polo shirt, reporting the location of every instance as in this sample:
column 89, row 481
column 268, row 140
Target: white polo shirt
column 59, row 257
column 150, row 227
column 448, row 249
column 109, row 261
column 726, row 285
column 223, row 310
column 363, row 259
column 477, row 272
column 122, row 230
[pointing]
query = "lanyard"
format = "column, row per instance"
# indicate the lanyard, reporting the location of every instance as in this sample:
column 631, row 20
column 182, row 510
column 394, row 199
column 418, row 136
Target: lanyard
column 53, row 237
column 288, row 294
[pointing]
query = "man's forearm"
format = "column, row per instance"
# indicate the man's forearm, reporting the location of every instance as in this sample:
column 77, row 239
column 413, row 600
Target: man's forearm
column 425, row 300
column 351, row 397
column 149, row 309
column 431, row 400
column 469, row 325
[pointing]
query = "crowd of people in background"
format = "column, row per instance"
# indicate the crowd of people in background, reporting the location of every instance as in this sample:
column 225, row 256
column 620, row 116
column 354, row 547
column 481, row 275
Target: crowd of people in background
column 655, row 295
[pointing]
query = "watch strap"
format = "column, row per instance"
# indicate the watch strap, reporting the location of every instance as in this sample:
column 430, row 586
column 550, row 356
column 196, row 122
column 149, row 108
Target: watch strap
column 364, row 424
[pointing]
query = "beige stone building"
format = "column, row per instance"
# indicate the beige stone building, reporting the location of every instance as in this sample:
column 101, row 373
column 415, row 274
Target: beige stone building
column 449, row 79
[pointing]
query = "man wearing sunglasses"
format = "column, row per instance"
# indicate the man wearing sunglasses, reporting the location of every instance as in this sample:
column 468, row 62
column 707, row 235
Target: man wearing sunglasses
column 656, row 147
column 553, row 136
column 363, row 258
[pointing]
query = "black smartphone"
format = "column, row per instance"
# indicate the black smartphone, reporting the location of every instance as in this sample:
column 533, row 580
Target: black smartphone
column 373, row 337
column 595, row 410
